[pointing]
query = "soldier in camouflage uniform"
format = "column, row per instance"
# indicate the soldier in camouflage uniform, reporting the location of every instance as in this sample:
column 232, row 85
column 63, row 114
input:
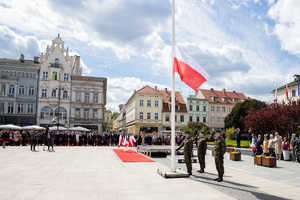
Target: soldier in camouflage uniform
column 187, row 143
column 201, row 151
column 220, row 149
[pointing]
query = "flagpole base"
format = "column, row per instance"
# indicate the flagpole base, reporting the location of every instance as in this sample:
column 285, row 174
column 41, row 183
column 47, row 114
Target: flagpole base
column 177, row 174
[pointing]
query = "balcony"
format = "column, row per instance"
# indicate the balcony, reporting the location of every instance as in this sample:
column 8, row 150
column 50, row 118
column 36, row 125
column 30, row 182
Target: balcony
column 55, row 65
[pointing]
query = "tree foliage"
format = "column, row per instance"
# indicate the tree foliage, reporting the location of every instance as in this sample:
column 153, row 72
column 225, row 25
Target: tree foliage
column 239, row 111
column 192, row 127
column 114, row 115
column 230, row 134
column 283, row 118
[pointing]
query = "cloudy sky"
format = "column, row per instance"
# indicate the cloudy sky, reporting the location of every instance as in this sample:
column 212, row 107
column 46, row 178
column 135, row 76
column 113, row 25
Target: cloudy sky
column 248, row 46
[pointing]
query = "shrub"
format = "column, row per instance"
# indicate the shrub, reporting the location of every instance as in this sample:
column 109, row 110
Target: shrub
column 230, row 135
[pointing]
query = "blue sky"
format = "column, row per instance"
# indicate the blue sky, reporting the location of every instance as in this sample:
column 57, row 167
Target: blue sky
column 245, row 45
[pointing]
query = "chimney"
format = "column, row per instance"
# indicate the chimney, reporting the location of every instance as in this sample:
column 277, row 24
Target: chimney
column 224, row 91
column 22, row 58
column 212, row 89
column 134, row 91
column 155, row 87
column 36, row 59
column 166, row 89
column 233, row 91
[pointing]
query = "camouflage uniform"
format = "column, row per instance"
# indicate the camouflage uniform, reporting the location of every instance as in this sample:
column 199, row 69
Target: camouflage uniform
column 201, row 151
column 187, row 143
column 220, row 149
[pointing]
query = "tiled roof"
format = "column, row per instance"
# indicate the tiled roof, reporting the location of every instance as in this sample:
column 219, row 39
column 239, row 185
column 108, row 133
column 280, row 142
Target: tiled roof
column 210, row 94
column 179, row 101
column 147, row 90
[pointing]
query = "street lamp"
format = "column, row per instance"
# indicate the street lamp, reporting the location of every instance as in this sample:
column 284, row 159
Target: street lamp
column 58, row 108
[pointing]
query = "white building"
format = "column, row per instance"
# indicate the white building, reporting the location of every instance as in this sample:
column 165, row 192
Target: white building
column 293, row 91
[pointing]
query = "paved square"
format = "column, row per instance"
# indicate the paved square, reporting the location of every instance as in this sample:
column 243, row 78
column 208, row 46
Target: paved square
column 97, row 173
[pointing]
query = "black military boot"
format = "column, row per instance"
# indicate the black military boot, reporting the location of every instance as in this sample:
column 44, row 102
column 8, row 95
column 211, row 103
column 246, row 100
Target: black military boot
column 202, row 170
column 190, row 173
column 216, row 179
column 220, row 178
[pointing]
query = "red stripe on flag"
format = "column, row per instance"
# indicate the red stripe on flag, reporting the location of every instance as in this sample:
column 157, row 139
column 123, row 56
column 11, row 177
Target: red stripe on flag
column 188, row 75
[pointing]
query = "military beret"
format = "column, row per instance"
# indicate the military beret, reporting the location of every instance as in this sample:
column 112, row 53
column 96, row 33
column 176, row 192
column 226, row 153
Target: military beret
column 218, row 131
column 202, row 132
column 187, row 132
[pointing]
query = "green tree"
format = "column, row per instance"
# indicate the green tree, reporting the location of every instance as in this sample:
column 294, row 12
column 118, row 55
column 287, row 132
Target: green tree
column 192, row 127
column 114, row 115
column 239, row 111
column 230, row 135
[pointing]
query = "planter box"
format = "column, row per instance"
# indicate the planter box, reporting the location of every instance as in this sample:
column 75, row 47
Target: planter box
column 269, row 161
column 235, row 156
column 258, row 160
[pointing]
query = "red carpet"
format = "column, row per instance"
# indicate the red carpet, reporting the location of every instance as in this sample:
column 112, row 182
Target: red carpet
column 131, row 156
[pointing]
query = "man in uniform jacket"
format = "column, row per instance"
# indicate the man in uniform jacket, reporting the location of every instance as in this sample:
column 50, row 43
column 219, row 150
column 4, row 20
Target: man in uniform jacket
column 201, row 151
column 220, row 149
column 187, row 143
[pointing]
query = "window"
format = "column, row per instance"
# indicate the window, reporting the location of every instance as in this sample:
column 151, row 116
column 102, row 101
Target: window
column 212, row 109
column 181, row 118
column 223, row 109
column 215, row 98
column 167, row 118
column 56, row 62
column 11, row 89
column 198, row 119
column 191, row 107
column 65, row 94
column 156, row 103
column 78, row 97
column 45, row 75
column 218, row 109
column 293, row 93
column 148, row 115
column 141, row 102
column 204, row 119
column 10, row 107
column 30, row 108
column 95, row 113
column 156, row 116
column 176, row 107
column 223, row 119
column 148, row 103
column 225, row 100
column 62, row 114
column 175, row 118
column 31, row 90
column 44, row 93
column 235, row 100
column 77, row 113
column 141, row 115
column 197, row 108
column 20, row 108
column 87, row 97
column 228, row 109
column 95, row 97
column 212, row 120
column 86, row 113
column 218, row 119
column 53, row 93
column 54, row 76
column 66, row 77
column 204, row 108
column 46, row 112
column 21, row 89
column 191, row 118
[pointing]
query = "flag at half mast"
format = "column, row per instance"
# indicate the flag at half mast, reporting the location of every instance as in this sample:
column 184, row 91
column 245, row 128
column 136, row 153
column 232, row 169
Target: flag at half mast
column 188, row 69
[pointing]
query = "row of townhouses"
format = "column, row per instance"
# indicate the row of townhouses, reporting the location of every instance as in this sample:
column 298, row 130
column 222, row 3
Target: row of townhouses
column 52, row 85
column 149, row 109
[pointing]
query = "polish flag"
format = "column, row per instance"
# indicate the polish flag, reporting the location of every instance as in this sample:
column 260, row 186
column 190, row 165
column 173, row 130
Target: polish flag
column 131, row 141
column 188, row 69
column 120, row 140
column 275, row 98
column 126, row 142
column 287, row 92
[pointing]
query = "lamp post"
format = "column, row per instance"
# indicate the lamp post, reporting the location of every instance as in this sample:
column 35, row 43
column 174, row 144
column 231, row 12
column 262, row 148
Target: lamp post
column 58, row 108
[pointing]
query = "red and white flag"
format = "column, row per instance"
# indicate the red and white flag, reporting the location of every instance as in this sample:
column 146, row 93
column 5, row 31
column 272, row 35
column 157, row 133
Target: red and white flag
column 188, row 69
column 287, row 91
column 131, row 141
column 121, row 140
column 126, row 141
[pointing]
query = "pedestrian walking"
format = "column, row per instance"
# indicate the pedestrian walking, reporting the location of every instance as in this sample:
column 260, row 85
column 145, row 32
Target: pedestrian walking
column 187, row 143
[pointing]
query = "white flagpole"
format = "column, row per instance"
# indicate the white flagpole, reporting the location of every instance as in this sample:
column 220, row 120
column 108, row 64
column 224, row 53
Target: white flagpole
column 173, row 94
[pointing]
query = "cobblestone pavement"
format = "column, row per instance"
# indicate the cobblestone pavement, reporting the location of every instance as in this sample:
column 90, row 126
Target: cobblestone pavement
column 244, row 180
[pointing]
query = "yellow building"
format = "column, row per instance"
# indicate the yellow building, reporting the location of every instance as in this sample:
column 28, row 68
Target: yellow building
column 144, row 111
column 107, row 121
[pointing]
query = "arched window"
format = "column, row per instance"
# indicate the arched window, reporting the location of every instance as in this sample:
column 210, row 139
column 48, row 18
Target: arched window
column 62, row 113
column 21, row 89
column 56, row 62
column 11, row 89
column 46, row 112
column 31, row 90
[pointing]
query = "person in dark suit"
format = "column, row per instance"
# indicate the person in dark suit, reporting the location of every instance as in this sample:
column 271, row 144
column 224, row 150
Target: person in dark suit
column 259, row 143
column 238, row 137
column 33, row 139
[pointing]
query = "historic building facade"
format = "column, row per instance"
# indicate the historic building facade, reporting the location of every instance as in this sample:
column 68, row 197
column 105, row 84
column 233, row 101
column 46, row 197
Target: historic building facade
column 108, row 122
column 18, row 90
column 144, row 111
column 88, row 100
column 197, row 109
column 292, row 91
column 220, row 104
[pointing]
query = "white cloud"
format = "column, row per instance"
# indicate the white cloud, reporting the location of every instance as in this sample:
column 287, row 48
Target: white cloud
column 287, row 17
